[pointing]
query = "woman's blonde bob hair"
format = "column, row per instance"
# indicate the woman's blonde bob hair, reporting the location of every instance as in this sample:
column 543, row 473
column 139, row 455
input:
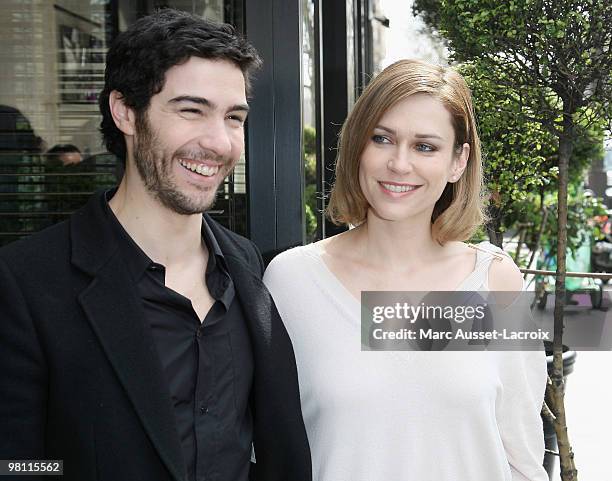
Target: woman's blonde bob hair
column 459, row 211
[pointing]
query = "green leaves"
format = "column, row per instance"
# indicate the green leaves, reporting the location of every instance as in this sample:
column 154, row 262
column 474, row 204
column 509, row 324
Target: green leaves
column 529, row 62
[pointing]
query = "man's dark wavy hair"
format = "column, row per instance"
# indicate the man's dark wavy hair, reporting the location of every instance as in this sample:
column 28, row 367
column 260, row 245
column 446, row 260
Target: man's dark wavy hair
column 138, row 59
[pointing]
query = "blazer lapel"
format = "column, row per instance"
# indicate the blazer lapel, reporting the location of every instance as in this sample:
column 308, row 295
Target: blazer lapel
column 117, row 317
column 254, row 298
column 281, row 445
column 251, row 292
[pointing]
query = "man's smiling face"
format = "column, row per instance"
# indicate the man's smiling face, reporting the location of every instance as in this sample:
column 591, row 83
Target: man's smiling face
column 192, row 134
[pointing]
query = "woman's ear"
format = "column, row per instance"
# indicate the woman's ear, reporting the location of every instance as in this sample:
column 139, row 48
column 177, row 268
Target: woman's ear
column 460, row 163
column 123, row 115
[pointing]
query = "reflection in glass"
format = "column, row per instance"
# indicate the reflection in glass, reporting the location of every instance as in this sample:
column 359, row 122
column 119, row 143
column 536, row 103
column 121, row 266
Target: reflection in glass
column 311, row 215
column 51, row 155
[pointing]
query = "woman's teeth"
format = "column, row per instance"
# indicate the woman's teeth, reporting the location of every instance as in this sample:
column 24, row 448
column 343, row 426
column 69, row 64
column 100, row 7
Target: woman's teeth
column 399, row 188
column 204, row 170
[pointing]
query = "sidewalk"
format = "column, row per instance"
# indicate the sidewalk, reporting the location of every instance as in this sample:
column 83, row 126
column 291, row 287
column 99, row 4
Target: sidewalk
column 588, row 405
column 588, row 400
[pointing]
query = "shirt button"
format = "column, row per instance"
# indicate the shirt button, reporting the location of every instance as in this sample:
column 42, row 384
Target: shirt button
column 203, row 409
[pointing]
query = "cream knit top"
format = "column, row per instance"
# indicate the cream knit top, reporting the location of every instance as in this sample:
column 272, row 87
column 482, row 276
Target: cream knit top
column 404, row 416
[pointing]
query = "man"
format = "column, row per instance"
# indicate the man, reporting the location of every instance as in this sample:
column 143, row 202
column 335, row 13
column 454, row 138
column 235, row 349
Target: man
column 137, row 341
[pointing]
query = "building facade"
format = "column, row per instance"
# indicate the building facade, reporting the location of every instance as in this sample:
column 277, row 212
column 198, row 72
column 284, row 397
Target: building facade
column 317, row 56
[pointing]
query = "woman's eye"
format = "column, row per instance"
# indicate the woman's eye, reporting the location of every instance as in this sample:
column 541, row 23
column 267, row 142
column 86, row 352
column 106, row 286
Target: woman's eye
column 380, row 139
column 191, row 111
column 425, row 148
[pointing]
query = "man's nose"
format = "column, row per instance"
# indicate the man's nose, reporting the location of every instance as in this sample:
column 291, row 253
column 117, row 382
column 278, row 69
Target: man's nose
column 215, row 137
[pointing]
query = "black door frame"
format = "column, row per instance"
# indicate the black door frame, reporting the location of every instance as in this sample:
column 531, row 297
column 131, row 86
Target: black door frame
column 274, row 140
column 275, row 170
column 338, row 94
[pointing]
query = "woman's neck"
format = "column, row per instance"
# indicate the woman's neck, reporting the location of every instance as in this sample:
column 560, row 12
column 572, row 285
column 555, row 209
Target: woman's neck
column 395, row 245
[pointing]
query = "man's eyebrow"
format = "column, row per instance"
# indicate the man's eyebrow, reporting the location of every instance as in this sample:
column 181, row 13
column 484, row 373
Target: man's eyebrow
column 189, row 98
column 207, row 103
column 239, row 108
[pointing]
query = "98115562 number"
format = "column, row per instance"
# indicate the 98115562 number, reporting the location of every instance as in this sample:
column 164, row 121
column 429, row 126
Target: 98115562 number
column 28, row 466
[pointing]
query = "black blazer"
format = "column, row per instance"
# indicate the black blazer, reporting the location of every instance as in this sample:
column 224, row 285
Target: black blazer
column 80, row 377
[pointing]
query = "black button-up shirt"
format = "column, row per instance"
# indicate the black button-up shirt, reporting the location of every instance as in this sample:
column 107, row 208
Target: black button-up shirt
column 208, row 362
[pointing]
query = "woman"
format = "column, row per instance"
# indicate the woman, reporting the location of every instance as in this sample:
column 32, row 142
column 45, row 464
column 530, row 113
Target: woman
column 409, row 177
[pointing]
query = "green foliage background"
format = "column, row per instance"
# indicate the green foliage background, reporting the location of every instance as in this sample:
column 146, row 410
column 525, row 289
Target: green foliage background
column 527, row 62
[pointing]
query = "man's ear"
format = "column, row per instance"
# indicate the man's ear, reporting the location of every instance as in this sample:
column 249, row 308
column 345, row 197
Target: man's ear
column 460, row 163
column 124, row 117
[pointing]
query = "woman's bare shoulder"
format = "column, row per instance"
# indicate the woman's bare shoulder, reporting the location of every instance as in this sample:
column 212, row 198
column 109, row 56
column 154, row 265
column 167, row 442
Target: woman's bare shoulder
column 504, row 275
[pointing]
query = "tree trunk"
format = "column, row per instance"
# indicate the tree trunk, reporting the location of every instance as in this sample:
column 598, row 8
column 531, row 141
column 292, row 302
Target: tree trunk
column 494, row 227
column 568, row 469
column 520, row 242
column 536, row 242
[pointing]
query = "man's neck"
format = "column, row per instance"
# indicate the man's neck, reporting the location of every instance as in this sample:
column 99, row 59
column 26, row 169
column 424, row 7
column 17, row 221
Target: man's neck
column 166, row 237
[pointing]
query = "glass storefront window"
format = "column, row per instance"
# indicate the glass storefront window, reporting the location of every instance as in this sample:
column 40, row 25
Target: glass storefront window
column 51, row 156
column 312, row 216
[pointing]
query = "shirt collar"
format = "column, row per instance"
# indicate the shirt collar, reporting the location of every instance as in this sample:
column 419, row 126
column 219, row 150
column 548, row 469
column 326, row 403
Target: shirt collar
column 136, row 259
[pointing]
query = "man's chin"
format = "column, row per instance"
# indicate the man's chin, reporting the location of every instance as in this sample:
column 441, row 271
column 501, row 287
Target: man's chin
column 183, row 205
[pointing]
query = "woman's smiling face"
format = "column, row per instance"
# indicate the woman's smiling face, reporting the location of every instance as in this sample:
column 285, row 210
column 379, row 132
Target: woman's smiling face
column 409, row 159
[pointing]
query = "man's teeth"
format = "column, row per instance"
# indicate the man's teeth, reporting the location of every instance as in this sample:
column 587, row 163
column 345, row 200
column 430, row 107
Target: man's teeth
column 199, row 168
column 399, row 188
